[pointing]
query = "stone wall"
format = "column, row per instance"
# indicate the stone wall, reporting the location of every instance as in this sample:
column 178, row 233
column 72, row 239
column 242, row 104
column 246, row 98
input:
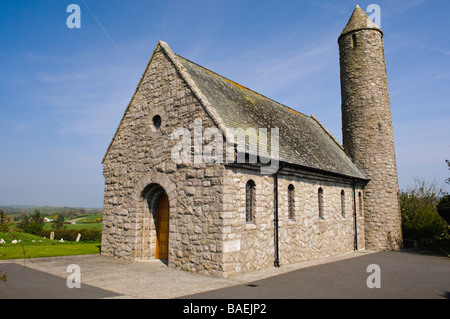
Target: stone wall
column 249, row 246
column 140, row 155
column 304, row 237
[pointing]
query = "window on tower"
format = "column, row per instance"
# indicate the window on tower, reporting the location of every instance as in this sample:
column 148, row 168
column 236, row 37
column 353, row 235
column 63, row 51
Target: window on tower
column 354, row 43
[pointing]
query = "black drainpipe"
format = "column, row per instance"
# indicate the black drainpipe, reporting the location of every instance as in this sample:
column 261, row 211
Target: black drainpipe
column 275, row 180
column 356, row 217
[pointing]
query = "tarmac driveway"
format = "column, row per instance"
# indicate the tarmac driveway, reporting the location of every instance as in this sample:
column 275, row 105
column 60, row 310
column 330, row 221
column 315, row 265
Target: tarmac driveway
column 400, row 275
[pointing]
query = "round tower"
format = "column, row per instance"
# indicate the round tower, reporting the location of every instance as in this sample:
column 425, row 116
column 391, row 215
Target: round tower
column 367, row 128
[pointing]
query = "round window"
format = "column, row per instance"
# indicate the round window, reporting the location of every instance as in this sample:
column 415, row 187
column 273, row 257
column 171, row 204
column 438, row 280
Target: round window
column 157, row 121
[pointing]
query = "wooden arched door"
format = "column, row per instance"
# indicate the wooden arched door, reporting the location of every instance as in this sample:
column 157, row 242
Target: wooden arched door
column 162, row 228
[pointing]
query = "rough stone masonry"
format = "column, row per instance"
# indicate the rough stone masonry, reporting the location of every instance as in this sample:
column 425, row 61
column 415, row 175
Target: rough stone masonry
column 367, row 127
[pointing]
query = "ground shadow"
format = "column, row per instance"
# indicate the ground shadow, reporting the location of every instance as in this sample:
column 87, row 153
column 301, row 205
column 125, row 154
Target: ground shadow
column 165, row 262
column 427, row 251
column 446, row 294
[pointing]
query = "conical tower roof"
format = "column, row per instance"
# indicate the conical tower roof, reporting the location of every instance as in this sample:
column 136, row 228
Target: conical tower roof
column 359, row 21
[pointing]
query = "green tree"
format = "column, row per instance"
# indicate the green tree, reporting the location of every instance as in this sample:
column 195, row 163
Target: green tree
column 443, row 208
column 37, row 217
column 420, row 219
column 448, row 164
column 59, row 223
column 23, row 222
column 4, row 221
column 33, row 228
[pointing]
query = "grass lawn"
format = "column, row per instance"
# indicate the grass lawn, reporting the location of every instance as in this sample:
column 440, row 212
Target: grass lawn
column 31, row 246
column 19, row 252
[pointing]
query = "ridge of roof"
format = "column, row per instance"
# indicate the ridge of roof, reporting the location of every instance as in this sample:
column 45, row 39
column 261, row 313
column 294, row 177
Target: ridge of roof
column 242, row 86
column 195, row 89
column 327, row 131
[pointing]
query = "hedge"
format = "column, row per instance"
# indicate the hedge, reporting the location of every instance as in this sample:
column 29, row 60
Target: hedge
column 71, row 234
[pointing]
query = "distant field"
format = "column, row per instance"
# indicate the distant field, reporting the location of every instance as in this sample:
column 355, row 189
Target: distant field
column 92, row 218
column 76, row 226
column 85, row 221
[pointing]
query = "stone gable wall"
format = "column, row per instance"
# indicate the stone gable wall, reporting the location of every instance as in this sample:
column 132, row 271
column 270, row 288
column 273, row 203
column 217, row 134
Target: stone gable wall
column 140, row 155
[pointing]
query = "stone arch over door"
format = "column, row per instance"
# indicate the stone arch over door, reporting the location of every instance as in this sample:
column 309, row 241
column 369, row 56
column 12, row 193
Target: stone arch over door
column 147, row 194
column 155, row 223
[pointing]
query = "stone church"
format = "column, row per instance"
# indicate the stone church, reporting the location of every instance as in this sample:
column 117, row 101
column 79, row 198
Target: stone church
column 203, row 213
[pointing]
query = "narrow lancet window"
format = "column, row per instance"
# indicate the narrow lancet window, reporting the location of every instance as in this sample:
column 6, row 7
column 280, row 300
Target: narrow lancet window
column 249, row 201
column 320, row 203
column 360, row 204
column 343, row 203
column 291, row 203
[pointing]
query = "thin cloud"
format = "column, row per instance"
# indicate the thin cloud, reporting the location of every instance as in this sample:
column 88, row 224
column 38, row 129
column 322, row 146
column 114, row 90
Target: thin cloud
column 100, row 24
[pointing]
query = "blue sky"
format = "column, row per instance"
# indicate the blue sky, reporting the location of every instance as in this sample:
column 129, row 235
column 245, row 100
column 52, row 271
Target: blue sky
column 63, row 91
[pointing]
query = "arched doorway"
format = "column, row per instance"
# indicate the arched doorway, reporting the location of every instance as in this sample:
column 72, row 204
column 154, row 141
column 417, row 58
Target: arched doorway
column 156, row 226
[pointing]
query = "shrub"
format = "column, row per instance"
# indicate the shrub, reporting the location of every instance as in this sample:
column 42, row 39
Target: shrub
column 444, row 208
column 420, row 220
column 71, row 234
column 33, row 228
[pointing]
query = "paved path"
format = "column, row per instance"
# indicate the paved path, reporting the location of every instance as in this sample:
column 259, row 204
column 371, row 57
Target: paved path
column 403, row 275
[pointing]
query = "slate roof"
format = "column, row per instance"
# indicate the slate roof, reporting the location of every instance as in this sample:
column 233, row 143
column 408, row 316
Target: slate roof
column 303, row 140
